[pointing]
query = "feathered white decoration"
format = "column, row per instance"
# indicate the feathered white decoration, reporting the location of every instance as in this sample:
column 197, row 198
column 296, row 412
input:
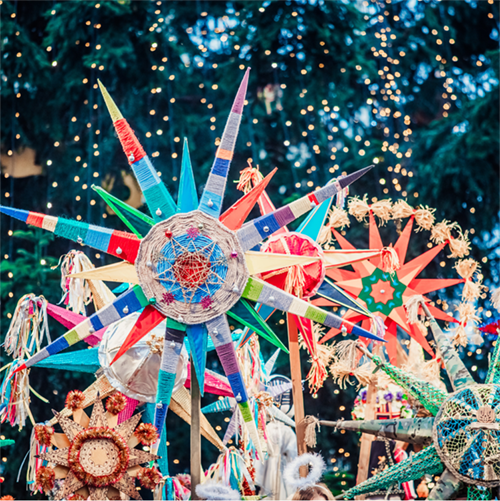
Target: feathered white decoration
column 291, row 474
column 215, row 492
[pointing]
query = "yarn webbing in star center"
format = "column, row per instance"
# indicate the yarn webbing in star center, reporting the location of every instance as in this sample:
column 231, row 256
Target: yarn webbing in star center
column 191, row 269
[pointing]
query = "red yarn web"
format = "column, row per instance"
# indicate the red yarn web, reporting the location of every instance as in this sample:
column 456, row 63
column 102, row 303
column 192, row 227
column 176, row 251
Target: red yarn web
column 191, row 269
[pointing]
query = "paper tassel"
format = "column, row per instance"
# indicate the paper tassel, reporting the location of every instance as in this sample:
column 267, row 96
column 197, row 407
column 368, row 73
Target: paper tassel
column 378, row 326
column 79, row 292
column 459, row 247
column 311, row 423
column 467, row 267
column 495, row 299
column 359, row 208
column 441, row 232
column 338, row 219
column 249, row 177
column 343, row 362
column 382, row 209
column 390, row 260
column 467, row 313
column 401, row 210
column 15, row 398
column 412, row 306
column 424, row 217
column 28, row 327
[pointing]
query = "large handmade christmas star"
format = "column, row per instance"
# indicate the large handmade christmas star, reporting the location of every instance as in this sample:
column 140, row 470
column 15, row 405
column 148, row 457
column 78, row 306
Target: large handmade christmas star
column 185, row 253
column 384, row 293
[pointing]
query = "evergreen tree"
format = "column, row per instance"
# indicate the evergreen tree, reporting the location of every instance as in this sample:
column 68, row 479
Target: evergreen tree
column 335, row 86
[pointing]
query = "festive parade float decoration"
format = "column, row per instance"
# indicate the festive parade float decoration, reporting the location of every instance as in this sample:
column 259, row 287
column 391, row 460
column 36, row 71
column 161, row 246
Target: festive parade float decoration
column 386, row 288
column 190, row 267
column 461, row 436
column 95, row 457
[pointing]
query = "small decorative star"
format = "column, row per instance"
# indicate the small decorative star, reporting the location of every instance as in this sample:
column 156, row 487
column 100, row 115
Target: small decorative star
column 192, row 232
column 206, row 302
column 168, row 298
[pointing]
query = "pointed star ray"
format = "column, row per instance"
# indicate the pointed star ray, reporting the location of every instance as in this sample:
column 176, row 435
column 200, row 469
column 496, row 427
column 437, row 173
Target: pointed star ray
column 158, row 198
column 137, row 222
column 263, row 227
column 116, row 243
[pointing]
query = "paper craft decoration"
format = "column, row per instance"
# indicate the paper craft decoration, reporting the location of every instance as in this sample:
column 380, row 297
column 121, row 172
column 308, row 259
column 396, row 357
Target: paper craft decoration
column 96, row 456
column 385, row 288
column 463, row 433
column 307, row 278
column 191, row 267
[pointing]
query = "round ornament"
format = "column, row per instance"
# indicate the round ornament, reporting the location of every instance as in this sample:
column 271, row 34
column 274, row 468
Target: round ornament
column 467, row 434
column 98, row 456
column 135, row 374
column 191, row 267
column 304, row 280
column 284, row 401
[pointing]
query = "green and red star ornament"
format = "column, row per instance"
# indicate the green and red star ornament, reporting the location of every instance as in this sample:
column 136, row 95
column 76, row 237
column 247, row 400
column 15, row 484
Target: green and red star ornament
column 384, row 290
column 188, row 255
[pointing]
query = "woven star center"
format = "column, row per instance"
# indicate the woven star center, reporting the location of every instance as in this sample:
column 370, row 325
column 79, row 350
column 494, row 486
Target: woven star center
column 191, row 269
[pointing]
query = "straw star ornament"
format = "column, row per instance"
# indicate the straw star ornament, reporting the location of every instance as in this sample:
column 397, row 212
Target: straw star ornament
column 189, row 263
column 97, row 456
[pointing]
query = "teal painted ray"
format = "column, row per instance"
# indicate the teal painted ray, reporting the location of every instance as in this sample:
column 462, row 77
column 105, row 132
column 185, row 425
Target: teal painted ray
column 188, row 198
column 257, row 317
column 74, row 361
column 271, row 338
column 312, row 224
column 198, row 337
column 135, row 220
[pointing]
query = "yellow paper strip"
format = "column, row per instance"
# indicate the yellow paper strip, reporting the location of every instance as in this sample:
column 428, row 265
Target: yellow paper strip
column 260, row 262
column 118, row 272
column 337, row 258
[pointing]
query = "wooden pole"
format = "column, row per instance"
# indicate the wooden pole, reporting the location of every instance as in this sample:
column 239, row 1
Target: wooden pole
column 195, row 432
column 298, row 400
column 366, row 439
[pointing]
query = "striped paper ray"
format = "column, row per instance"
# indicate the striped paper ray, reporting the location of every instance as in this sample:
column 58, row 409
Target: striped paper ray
column 263, row 227
column 158, row 199
column 262, row 292
column 117, row 243
column 219, row 330
column 128, row 302
column 213, row 194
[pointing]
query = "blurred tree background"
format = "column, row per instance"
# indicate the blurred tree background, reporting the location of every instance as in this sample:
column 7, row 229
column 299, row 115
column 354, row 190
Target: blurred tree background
column 411, row 86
